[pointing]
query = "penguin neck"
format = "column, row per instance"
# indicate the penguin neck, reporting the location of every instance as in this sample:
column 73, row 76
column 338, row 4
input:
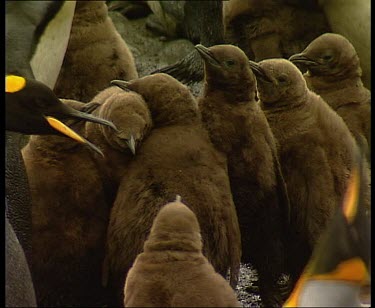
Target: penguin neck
column 286, row 105
column 174, row 241
column 340, row 92
column 90, row 12
column 289, row 118
column 349, row 76
column 244, row 91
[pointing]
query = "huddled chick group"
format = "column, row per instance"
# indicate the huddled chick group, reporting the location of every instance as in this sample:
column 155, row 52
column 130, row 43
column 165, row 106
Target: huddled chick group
column 180, row 189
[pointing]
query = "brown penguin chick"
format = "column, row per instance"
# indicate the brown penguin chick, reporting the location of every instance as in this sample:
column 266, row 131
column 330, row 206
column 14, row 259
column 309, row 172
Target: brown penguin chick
column 96, row 54
column 69, row 220
column 316, row 151
column 238, row 128
column 176, row 158
column 172, row 270
column 133, row 118
column 334, row 73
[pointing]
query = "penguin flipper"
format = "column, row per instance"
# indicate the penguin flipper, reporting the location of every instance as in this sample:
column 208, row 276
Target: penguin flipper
column 188, row 69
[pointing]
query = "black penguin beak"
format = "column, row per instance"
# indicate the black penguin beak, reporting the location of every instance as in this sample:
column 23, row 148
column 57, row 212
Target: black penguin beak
column 121, row 84
column 259, row 71
column 300, row 58
column 88, row 117
column 65, row 130
column 131, row 144
column 207, row 55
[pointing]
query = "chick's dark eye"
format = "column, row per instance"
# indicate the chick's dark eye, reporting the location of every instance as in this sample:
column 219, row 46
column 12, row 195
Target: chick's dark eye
column 230, row 62
column 327, row 57
column 282, row 78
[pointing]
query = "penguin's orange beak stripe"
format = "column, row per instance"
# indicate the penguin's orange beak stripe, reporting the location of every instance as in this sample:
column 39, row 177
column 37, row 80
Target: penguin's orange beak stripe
column 14, row 83
column 352, row 270
column 350, row 204
column 62, row 128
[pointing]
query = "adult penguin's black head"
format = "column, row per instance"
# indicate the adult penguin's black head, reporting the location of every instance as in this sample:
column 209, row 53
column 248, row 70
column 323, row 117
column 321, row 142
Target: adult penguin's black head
column 33, row 108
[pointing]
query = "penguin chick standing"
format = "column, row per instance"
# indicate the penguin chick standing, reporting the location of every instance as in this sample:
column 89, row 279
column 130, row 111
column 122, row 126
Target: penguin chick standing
column 334, row 73
column 96, row 54
column 133, row 119
column 316, row 152
column 172, row 271
column 70, row 217
column 176, row 158
column 239, row 129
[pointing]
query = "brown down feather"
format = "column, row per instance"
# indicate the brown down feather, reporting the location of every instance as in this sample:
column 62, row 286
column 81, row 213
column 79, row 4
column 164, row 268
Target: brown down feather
column 96, row 54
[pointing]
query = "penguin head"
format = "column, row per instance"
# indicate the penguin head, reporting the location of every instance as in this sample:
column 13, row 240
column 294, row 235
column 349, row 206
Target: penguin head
column 279, row 82
column 175, row 227
column 330, row 54
column 168, row 100
column 226, row 67
column 129, row 113
column 33, row 108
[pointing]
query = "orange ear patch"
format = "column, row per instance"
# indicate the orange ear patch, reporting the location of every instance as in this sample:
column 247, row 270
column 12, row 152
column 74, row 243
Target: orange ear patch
column 14, row 83
column 351, row 197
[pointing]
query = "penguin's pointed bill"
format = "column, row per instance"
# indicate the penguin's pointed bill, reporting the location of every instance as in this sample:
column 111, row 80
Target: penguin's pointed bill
column 122, row 84
column 62, row 128
column 258, row 71
column 88, row 117
column 207, row 55
column 300, row 58
column 131, row 144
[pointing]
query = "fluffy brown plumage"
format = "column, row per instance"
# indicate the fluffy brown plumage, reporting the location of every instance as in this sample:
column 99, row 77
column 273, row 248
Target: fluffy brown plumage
column 238, row 128
column 266, row 29
column 334, row 73
column 129, row 111
column 96, row 54
column 172, row 270
column 70, row 217
column 316, row 152
column 176, row 158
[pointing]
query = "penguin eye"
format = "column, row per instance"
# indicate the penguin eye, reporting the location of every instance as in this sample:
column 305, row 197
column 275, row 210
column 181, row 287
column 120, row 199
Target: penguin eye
column 230, row 62
column 282, row 78
column 327, row 57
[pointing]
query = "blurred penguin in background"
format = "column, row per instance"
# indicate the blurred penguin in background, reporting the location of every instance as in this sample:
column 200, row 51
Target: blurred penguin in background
column 340, row 264
column 172, row 270
column 272, row 28
column 96, row 54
